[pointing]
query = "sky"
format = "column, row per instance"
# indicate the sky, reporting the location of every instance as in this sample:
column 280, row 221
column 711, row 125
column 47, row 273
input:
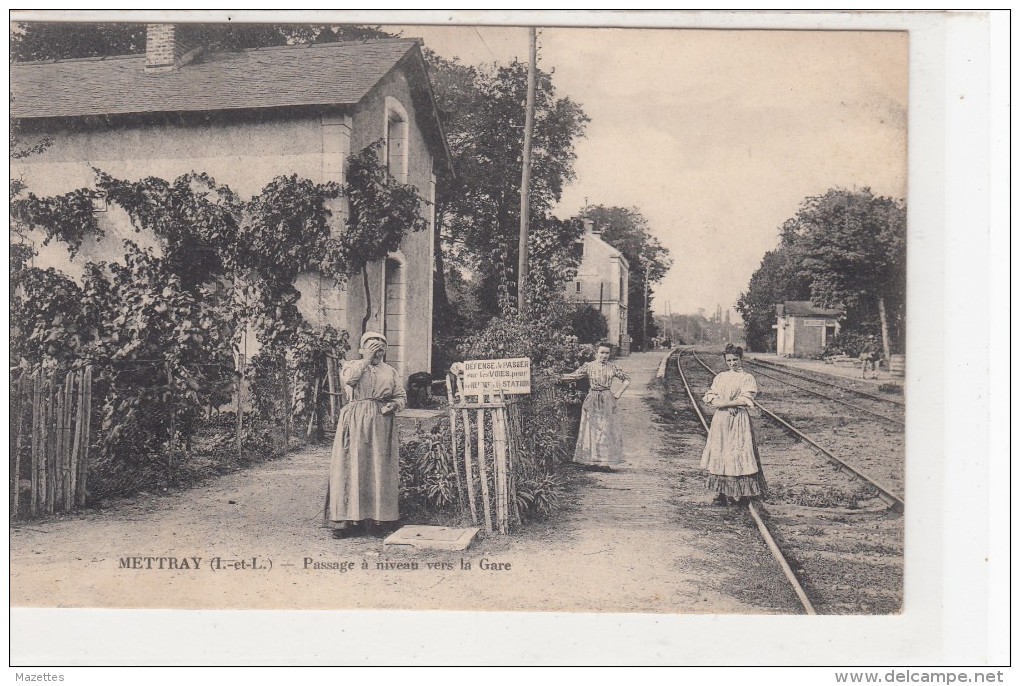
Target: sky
column 715, row 136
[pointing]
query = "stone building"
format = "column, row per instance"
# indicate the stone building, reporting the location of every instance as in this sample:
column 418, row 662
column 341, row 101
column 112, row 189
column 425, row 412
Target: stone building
column 602, row 281
column 803, row 329
column 245, row 118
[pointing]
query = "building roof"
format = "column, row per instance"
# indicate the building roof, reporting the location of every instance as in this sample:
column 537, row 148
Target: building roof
column 805, row 308
column 613, row 252
column 318, row 74
column 340, row 73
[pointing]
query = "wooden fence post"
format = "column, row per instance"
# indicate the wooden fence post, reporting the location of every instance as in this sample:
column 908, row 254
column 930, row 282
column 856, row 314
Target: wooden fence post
column 483, row 472
column 19, row 427
column 83, row 464
column 499, row 464
column 65, row 470
column 79, row 408
column 313, row 418
column 453, row 440
column 58, row 443
column 37, row 442
column 469, row 476
column 497, row 506
column 513, row 416
column 332, row 381
column 50, row 464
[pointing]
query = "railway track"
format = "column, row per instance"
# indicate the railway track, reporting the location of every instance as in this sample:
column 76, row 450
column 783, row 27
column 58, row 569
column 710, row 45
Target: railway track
column 898, row 421
column 824, row 382
column 844, row 559
column 885, row 492
column 759, row 521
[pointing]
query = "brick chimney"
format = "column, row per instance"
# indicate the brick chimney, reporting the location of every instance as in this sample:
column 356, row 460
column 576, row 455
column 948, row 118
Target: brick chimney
column 169, row 47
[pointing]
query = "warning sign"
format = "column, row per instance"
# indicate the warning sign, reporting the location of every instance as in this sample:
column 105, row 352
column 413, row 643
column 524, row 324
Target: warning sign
column 513, row 376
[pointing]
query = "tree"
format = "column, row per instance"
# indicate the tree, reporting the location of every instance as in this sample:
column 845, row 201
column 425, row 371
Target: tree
column 778, row 278
column 855, row 255
column 32, row 41
column 588, row 324
column 626, row 229
column 478, row 213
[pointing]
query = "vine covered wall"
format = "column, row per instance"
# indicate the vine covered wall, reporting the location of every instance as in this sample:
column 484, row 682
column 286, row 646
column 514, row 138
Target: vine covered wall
column 164, row 327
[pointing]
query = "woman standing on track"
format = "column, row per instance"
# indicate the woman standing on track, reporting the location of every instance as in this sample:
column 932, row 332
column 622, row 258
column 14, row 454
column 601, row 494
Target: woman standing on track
column 599, row 442
column 364, row 472
column 731, row 454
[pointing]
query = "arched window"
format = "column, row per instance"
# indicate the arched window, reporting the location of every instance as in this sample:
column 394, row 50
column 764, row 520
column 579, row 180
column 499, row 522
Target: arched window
column 396, row 139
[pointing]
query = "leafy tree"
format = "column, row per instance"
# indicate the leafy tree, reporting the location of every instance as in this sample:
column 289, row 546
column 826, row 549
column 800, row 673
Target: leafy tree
column 778, row 278
column 854, row 245
column 478, row 212
column 32, row 41
column 588, row 324
column 626, row 229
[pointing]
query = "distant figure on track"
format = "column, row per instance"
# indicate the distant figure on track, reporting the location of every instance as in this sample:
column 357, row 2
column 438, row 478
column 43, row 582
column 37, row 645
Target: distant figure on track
column 731, row 453
column 599, row 441
column 869, row 357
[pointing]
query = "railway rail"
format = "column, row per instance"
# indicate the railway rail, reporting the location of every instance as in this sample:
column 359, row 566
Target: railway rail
column 899, row 421
column 848, row 389
column 839, row 541
column 755, row 514
column 887, row 495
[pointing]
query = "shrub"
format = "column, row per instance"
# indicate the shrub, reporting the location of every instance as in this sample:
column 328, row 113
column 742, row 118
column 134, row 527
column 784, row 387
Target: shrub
column 588, row 324
column 427, row 477
column 849, row 343
column 540, row 420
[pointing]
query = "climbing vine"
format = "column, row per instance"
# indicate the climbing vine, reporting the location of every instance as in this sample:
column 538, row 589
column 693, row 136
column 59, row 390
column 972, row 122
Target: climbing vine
column 161, row 351
column 68, row 217
column 164, row 326
column 47, row 322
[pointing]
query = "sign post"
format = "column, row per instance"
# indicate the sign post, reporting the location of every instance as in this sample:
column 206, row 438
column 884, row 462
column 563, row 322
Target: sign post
column 489, row 382
column 511, row 376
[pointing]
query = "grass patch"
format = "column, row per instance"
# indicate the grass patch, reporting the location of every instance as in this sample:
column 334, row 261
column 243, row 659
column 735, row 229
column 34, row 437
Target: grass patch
column 822, row 496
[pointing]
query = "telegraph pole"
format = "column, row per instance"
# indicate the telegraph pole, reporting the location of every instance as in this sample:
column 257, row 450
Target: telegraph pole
column 529, row 125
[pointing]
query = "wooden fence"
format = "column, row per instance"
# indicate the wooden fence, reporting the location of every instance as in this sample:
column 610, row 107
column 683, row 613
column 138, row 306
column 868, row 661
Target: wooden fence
column 496, row 499
column 50, row 436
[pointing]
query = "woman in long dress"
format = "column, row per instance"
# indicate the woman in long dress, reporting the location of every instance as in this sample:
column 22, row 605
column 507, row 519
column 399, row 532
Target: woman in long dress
column 731, row 453
column 599, row 441
column 364, row 470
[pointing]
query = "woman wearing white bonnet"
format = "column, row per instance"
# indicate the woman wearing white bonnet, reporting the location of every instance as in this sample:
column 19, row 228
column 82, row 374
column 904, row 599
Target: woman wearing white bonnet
column 364, row 471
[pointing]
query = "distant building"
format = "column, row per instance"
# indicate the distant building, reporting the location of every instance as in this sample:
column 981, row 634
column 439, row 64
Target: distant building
column 246, row 117
column 803, row 329
column 602, row 281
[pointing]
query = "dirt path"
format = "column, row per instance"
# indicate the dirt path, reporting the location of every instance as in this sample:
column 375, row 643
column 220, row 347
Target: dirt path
column 636, row 541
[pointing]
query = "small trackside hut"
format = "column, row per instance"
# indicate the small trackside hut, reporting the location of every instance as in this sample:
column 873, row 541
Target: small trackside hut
column 804, row 329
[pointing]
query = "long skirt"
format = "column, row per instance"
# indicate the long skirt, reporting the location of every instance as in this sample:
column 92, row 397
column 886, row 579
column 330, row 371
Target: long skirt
column 599, row 443
column 364, row 469
column 731, row 455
